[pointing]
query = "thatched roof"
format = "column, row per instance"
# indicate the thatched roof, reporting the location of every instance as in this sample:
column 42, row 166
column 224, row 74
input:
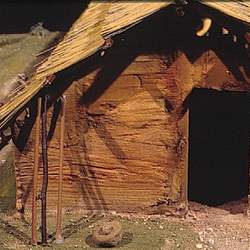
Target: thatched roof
column 86, row 36
column 237, row 9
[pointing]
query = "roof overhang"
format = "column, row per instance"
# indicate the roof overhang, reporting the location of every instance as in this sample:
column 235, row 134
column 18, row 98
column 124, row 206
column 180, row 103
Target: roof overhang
column 87, row 35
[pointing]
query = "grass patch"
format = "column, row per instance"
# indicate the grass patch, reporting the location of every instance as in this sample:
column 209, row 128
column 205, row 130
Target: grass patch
column 138, row 234
column 7, row 185
column 18, row 52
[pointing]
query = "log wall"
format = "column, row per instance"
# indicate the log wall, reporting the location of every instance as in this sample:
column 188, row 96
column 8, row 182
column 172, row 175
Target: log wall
column 122, row 151
column 126, row 145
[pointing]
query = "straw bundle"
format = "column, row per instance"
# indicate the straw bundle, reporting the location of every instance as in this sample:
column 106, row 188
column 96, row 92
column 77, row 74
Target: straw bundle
column 237, row 9
column 122, row 15
column 8, row 110
column 86, row 35
column 82, row 40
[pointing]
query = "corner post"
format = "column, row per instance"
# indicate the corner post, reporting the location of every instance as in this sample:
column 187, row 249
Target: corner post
column 59, row 237
column 35, row 173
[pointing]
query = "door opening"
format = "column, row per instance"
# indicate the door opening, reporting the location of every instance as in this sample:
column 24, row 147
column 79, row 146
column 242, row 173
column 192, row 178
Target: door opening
column 218, row 146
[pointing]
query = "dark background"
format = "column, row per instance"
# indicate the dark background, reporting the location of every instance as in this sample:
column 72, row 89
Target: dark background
column 19, row 16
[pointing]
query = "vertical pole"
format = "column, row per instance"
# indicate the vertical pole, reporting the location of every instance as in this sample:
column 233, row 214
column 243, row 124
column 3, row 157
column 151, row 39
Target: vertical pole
column 45, row 174
column 59, row 237
column 35, row 174
column 186, row 156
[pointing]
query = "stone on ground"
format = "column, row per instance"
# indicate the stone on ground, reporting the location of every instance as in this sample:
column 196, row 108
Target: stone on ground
column 107, row 234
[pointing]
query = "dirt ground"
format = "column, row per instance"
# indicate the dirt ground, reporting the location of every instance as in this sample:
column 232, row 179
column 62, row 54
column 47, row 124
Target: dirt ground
column 226, row 227
column 223, row 227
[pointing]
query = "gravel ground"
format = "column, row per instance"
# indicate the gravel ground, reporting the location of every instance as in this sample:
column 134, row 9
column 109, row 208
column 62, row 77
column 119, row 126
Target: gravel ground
column 225, row 227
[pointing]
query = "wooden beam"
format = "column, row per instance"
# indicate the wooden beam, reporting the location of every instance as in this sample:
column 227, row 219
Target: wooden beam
column 59, row 237
column 35, row 174
column 45, row 173
column 184, row 128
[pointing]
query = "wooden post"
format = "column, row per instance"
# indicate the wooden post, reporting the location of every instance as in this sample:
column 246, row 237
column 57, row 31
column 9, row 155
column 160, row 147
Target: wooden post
column 43, row 195
column 59, row 237
column 35, row 174
column 184, row 123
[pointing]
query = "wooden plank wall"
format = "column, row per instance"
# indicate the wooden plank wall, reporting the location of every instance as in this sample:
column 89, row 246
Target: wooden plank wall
column 128, row 150
column 120, row 153
column 126, row 145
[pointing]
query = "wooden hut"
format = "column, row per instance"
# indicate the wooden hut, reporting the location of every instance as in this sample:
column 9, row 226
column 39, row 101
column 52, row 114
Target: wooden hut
column 156, row 115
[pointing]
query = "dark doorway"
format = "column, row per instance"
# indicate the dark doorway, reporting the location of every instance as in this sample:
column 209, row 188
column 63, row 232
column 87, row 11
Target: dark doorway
column 218, row 146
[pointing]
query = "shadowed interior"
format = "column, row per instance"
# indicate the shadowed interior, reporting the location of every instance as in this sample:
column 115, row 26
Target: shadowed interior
column 218, row 138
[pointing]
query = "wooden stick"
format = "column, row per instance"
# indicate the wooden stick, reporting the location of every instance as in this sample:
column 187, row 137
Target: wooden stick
column 59, row 237
column 35, row 174
column 45, row 51
column 45, row 174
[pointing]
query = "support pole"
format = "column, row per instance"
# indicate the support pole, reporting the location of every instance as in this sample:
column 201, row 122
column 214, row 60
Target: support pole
column 59, row 237
column 35, row 174
column 45, row 174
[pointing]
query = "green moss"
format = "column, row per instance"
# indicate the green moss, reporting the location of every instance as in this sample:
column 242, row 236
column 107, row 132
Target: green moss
column 19, row 52
column 138, row 234
column 7, row 185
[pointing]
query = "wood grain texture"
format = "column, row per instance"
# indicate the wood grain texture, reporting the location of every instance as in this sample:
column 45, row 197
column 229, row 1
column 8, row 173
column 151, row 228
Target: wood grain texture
column 126, row 148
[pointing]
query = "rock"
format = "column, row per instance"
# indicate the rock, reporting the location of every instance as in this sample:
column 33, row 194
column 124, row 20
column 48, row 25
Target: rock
column 161, row 227
column 113, row 213
column 38, row 30
column 211, row 241
column 199, row 246
column 107, row 234
column 168, row 245
column 209, row 229
column 128, row 216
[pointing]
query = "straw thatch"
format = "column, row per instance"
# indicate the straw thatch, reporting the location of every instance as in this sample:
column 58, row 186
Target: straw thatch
column 237, row 9
column 99, row 20
column 84, row 38
column 122, row 15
